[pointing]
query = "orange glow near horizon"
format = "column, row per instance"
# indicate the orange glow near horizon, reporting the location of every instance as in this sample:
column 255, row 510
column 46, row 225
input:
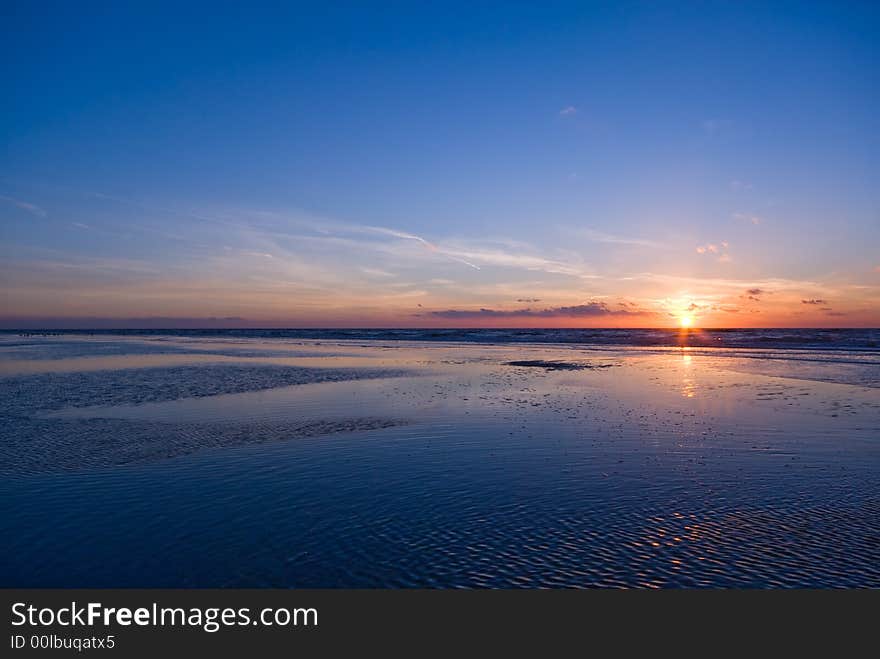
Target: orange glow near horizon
column 686, row 321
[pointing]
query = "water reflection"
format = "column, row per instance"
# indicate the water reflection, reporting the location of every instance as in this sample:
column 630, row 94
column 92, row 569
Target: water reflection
column 593, row 476
column 688, row 381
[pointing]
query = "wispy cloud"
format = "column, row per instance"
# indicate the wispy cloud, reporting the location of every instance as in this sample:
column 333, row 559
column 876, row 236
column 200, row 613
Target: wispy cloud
column 376, row 272
column 602, row 237
column 275, row 264
column 33, row 209
column 590, row 309
column 360, row 239
column 428, row 245
column 568, row 110
column 508, row 259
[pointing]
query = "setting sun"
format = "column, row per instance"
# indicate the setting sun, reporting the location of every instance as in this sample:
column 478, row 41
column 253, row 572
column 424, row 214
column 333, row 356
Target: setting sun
column 686, row 321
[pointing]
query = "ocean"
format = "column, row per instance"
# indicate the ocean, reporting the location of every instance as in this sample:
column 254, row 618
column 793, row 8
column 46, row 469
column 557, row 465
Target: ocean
column 440, row 458
column 859, row 340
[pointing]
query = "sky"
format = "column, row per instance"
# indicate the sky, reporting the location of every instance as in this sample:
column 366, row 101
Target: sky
column 469, row 164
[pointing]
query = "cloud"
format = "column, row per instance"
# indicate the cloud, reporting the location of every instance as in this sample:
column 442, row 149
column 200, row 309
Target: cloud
column 741, row 185
column 332, row 272
column 568, row 110
column 590, row 310
column 754, row 294
column 428, row 245
column 262, row 255
column 600, row 237
column 296, row 235
column 502, row 258
column 814, row 301
column 716, row 249
column 377, row 272
column 33, row 209
column 289, row 234
column 400, row 234
column 744, row 217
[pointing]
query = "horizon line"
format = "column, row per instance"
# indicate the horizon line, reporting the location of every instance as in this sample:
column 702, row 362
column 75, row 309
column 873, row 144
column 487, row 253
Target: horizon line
column 405, row 327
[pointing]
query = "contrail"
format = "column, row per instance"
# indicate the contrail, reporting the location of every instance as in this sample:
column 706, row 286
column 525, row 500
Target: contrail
column 432, row 247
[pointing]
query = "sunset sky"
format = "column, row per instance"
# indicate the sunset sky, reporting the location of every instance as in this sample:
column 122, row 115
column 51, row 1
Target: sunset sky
column 583, row 164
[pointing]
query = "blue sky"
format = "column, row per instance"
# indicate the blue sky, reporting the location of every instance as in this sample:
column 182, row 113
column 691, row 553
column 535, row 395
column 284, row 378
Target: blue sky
column 400, row 164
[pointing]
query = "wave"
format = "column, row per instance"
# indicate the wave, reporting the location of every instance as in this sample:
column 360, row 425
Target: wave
column 856, row 340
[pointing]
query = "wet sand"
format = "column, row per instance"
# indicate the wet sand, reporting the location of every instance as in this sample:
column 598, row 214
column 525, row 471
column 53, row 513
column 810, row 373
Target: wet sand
column 297, row 463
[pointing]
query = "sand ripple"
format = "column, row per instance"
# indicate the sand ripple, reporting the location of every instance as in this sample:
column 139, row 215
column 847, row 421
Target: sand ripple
column 26, row 395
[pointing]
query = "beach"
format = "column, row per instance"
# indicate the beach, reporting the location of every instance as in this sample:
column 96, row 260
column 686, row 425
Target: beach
column 163, row 460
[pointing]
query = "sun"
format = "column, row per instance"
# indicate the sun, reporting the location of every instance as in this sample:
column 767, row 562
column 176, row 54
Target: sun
column 686, row 321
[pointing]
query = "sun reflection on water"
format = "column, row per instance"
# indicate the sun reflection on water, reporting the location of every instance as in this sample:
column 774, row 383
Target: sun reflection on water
column 688, row 382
